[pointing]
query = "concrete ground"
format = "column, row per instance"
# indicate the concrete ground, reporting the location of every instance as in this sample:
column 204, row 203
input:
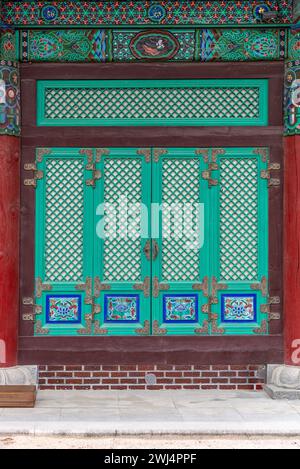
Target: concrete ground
column 154, row 419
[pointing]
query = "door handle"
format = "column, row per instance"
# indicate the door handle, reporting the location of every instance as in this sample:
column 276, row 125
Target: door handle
column 147, row 250
column 155, row 248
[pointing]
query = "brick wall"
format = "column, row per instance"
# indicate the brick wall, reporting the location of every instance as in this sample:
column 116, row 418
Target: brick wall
column 222, row 377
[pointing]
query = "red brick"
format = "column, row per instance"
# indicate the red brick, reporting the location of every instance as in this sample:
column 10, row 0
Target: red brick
column 164, row 367
column 229, row 374
column 192, row 374
column 110, row 368
column 45, row 388
column 47, row 374
column 117, row 386
column 227, row 387
column 220, row 367
column 42, row 381
column 137, row 374
column 91, row 381
column 128, row 367
column 136, row 386
column 92, row 368
column 259, row 387
column 173, row 374
column 191, row 386
column 173, row 386
column 100, row 374
column 245, row 387
column 118, row 374
column 209, row 374
column 73, row 367
column 55, row 368
column 202, row 367
column 164, row 381
column 219, row 380
column 254, row 381
column 100, row 387
column 146, row 367
column 201, row 380
column 128, row 381
column 64, row 374
column 243, row 374
column 63, row 388
column 209, row 386
column 155, row 387
column 82, row 374
column 110, row 381
column 237, row 380
column 183, row 367
column 73, row 381
column 55, row 381
column 42, row 367
column 84, row 388
column 238, row 367
column 254, row 367
column 182, row 380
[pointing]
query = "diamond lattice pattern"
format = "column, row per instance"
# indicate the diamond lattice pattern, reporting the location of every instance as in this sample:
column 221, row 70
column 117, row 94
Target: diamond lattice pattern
column 123, row 196
column 239, row 219
column 64, row 220
column 152, row 103
column 180, row 198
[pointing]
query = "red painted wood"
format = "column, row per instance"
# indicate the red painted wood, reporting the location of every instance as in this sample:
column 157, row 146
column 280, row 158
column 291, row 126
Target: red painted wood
column 9, row 248
column 292, row 251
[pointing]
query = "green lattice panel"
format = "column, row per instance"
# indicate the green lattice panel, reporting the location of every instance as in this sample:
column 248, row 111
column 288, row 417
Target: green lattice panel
column 64, row 220
column 238, row 219
column 166, row 102
column 181, row 186
column 122, row 247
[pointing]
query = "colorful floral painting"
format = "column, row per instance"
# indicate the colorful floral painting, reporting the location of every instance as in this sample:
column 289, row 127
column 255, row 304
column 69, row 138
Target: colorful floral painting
column 180, row 308
column 121, row 308
column 238, row 308
column 9, row 99
column 63, row 308
column 154, row 45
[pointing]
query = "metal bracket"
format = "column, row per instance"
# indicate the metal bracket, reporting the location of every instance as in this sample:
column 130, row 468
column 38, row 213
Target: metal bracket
column 98, row 330
column 145, row 330
column 40, row 287
column 37, row 174
column 263, row 329
column 263, row 153
column 41, row 152
column 145, row 287
column 101, row 152
column 157, row 153
column 203, row 330
column 88, row 329
column 262, row 286
column 215, row 286
column 156, row 330
column 39, row 329
column 157, row 287
column 266, row 174
column 146, row 152
column 96, row 176
column 214, row 326
column 202, row 286
column 99, row 287
column 87, row 288
column 36, row 309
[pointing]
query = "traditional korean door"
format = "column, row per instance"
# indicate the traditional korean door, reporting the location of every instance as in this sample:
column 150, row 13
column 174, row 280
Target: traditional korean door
column 169, row 241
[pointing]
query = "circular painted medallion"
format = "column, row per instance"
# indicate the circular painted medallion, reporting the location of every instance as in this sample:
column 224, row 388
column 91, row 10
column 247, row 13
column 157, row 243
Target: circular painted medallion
column 260, row 9
column 154, row 45
column 49, row 13
column 156, row 13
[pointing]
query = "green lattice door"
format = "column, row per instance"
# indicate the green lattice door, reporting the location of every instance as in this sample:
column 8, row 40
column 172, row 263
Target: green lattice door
column 151, row 241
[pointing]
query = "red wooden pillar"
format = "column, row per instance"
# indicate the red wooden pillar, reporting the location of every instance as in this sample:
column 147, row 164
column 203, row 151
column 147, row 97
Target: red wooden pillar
column 292, row 250
column 9, row 248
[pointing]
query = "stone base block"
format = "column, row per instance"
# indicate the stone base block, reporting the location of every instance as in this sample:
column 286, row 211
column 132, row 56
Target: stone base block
column 277, row 393
column 19, row 376
column 283, row 382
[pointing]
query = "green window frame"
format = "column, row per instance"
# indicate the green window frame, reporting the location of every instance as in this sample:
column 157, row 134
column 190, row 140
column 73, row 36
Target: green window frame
column 196, row 102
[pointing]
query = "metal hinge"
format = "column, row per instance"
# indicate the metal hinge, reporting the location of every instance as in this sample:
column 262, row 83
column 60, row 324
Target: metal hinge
column 262, row 286
column 144, row 287
column 215, row 286
column 37, row 174
column 266, row 308
column 99, row 287
column 144, row 330
column 146, row 152
column 87, row 287
column 266, row 174
column 36, row 309
column 96, row 176
column 202, row 286
column 157, row 153
column 156, row 330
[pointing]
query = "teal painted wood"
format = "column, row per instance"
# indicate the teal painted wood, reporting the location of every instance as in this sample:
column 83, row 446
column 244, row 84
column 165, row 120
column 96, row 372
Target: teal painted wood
column 239, row 259
column 179, row 266
column 61, row 248
column 152, row 102
column 120, row 262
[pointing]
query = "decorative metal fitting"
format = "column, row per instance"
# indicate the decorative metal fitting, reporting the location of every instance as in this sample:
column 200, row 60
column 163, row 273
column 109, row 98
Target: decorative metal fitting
column 262, row 286
column 263, row 329
column 266, row 174
column 157, row 153
column 36, row 309
column 98, row 330
column 99, row 287
column 157, row 287
column 146, row 152
column 37, row 174
column 263, row 153
column 156, row 330
column 87, row 288
column 40, row 287
column 144, row 287
column 202, row 286
column 147, row 250
column 204, row 153
column 145, row 330
column 204, row 330
column 266, row 308
column 88, row 329
column 155, row 249
column 215, row 287
column 39, row 329
column 101, row 152
column 41, row 152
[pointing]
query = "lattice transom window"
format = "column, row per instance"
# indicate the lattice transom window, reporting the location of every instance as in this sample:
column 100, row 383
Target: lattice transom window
column 165, row 102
